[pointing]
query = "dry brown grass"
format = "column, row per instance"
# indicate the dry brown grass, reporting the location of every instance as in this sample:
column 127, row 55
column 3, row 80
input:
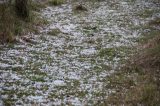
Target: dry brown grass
column 12, row 25
column 149, row 57
column 143, row 70
column 6, row 23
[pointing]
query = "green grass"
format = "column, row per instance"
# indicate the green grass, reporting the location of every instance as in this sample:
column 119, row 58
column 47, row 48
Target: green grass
column 37, row 78
column 146, row 13
column 111, row 53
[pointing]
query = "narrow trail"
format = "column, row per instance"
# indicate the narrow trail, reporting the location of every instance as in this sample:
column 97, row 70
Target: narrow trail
column 74, row 54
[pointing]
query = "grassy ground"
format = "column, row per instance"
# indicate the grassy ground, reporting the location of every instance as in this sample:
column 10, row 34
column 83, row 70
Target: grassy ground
column 74, row 64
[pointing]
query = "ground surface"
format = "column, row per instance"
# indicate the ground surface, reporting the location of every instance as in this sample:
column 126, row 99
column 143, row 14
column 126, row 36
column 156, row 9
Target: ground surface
column 72, row 56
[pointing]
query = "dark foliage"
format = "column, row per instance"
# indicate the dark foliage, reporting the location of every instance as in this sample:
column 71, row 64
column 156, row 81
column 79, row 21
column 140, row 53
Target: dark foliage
column 22, row 8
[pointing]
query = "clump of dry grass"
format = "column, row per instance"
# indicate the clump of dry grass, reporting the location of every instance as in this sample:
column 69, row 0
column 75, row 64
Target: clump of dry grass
column 80, row 7
column 6, row 23
column 13, row 24
column 149, row 57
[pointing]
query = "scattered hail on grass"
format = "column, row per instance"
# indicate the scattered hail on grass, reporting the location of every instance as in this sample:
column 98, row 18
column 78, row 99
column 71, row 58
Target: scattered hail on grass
column 71, row 66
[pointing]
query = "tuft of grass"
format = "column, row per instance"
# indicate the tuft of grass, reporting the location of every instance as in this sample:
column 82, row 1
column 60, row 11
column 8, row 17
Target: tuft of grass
column 54, row 32
column 107, row 52
column 146, row 13
column 80, row 7
column 111, row 53
column 37, row 6
column 37, row 78
column 8, row 102
column 155, row 22
column 56, row 2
